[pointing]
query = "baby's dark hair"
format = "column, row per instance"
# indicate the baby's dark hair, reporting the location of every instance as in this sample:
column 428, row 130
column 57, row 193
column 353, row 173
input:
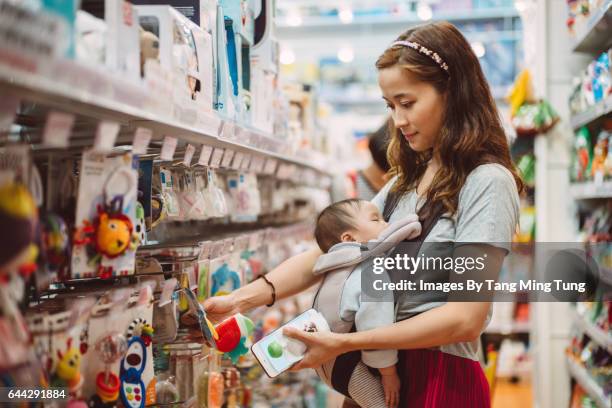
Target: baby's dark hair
column 334, row 221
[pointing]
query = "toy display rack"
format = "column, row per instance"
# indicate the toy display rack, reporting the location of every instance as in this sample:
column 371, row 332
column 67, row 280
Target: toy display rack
column 84, row 90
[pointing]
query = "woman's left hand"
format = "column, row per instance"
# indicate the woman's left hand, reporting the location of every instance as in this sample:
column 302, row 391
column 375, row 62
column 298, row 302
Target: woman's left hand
column 322, row 347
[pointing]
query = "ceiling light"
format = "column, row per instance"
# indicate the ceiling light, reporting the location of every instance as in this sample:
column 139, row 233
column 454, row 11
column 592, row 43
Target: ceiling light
column 294, row 18
column 479, row 49
column 346, row 15
column 424, row 11
column 346, row 55
column 287, row 56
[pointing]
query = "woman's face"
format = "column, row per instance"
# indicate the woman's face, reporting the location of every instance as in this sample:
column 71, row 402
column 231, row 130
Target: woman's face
column 417, row 108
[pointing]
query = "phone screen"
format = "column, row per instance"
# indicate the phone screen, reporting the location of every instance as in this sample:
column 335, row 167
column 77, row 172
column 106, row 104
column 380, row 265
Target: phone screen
column 277, row 353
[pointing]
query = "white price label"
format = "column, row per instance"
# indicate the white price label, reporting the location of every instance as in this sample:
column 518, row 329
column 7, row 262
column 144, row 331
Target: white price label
column 217, row 156
column 270, row 167
column 246, row 162
column 189, row 152
column 238, row 158
column 205, row 155
column 168, row 148
column 257, row 163
column 57, row 129
column 142, row 138
column 106, row 135
column 227, row 158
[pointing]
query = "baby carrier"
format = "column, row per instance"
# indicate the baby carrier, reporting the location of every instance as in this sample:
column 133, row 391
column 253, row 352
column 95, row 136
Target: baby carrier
column 337, row 265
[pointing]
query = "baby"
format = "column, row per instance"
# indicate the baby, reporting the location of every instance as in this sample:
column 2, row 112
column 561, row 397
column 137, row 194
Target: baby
column 340, row 229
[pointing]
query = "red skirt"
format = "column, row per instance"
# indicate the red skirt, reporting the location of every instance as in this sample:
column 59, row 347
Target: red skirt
column 433, row 379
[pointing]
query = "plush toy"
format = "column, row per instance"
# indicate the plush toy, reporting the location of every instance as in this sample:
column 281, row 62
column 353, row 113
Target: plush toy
column 68, row 369
column 234, row 336
column 111, row 234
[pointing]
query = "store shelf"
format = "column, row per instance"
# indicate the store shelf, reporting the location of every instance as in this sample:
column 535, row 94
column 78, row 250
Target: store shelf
column 594, row 36
column 593, row 113
column 591, row 190
column 595, row 333
column 314, row 22
column 589, row 385
column 83, row 90
column 511, row 328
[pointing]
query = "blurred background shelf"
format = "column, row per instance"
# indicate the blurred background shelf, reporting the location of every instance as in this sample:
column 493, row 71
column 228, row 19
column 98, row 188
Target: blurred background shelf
column 589, row 385
column 591, row 190
column 595, row 333
column 593, row 113
column 594, row 36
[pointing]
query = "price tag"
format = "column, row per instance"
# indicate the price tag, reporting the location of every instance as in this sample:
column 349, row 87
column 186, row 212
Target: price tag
column 217, row 156
column 167, row 291
column 142, row 138
column 257, row 163
column 246, row 162
column 238, row 158
column 106, row 135
column 270, row 167
column 189, row 152
column 205, row 250
column 205, row 155
column 57, row 129
column 168, row 148
column 227, row 158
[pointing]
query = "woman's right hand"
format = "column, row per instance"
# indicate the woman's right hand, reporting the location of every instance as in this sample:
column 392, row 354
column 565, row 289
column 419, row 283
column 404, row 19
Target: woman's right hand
column 219, row 308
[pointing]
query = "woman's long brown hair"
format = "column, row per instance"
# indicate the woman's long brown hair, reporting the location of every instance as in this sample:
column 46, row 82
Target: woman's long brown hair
column 472, row 133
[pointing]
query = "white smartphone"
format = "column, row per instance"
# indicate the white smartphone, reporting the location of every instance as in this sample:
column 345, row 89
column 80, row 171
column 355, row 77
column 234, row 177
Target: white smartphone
column 276, row 352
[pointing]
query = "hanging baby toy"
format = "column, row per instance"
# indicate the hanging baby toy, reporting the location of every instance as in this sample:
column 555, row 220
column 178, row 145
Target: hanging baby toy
column 68, row 369
column 111, row 233
column 132, row 388
column 234, row 336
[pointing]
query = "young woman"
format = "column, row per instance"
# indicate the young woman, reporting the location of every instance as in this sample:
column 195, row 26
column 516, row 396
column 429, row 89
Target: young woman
column 450, row 156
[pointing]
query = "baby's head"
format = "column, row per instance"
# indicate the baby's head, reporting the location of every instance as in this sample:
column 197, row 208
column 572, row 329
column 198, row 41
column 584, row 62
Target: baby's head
column 348, row 220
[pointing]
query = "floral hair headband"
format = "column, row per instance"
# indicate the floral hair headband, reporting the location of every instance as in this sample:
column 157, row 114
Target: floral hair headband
column 423, row 50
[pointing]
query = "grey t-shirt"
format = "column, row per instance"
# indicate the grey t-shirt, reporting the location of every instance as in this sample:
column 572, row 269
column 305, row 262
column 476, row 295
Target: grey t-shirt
column 488, row 212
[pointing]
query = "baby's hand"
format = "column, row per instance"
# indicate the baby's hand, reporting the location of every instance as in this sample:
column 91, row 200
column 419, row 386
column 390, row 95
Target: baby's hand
column 391, row 386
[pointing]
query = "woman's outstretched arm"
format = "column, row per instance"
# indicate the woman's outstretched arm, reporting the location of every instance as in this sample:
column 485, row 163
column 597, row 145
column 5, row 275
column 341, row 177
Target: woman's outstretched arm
column 450, row 323
column 290, row 277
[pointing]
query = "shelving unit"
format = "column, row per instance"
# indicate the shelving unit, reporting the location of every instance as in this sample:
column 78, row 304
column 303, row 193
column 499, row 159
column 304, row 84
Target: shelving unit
column 591, row 190
column 75, row 88
column 593, row 113
column 594, row 35
column 595, row 333
column 593, row 389
column 409, row 19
